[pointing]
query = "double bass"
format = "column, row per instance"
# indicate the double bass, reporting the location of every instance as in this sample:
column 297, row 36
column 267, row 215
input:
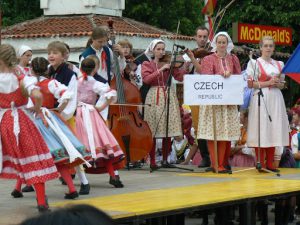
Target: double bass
column 132, row 133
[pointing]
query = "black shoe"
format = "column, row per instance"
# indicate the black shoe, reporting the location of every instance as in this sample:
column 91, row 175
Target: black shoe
column 116, row 183
column 84, row 189
column 228, row 167
column 167, row 165
column 204, row 163
column 28, row 188
column 154, row 167
column 17, row 194
column 72, row 195
column 274, row 170
column 209, row 169
column 224, row 171
column 43, row 208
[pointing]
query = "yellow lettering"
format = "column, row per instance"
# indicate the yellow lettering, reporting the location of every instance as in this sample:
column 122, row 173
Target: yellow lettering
column 287, row 37
column 274, row 35
column 244, row 33
column 269, row 33
column 257, row 32
column 281, row 37
column 251, row 34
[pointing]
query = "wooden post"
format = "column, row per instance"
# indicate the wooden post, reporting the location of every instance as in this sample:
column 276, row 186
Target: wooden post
column 215, row 140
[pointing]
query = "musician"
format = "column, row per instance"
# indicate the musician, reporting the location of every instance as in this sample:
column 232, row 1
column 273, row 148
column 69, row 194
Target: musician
column 156, row 74
column 100, row 47
column 265, row 73
column 201, row 37
column 129, row 72
column 227, row 121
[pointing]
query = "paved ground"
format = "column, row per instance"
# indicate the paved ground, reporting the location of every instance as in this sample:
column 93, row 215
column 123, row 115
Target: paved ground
column 13, row 211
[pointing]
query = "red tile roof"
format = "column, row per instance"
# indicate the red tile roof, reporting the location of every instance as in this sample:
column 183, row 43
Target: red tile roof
column 70, row 26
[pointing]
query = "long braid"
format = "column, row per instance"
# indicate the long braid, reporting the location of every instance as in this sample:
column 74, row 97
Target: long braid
column 8, row 55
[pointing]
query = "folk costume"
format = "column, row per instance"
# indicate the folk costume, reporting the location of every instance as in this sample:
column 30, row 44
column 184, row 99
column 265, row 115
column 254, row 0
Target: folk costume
column 63, row 73
column 155, row 114
column 20, row 69
column 24, row 155
column 92, row 130
column 107, row 67
column 227, row 118
column 66, row 149
column 262, row 70
column 180, row 150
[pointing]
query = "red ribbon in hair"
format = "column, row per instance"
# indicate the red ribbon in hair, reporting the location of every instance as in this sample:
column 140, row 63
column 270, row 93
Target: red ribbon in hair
column 84, row 74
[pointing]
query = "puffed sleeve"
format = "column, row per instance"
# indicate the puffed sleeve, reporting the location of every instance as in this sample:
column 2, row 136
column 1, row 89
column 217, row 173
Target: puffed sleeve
column 29, row 83
column 294, row 143
column 58, row 90
column 282, row 76
column 252, row 69
column 69, row 93
column 149, row 74
column 236, row 65
column 207, row 65
column 104, row 90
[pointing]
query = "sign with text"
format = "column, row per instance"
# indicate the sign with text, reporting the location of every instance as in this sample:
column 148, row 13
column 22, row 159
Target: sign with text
column 252, row 33
column 213, row 90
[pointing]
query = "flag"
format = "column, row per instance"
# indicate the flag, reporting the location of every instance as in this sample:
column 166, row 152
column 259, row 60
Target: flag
column 292, row 67
column 211, row 30
column 209, row 7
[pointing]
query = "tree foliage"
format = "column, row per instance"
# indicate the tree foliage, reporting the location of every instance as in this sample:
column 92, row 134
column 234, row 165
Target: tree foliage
column 166, row 13
column 17, row 11
column 264, row 12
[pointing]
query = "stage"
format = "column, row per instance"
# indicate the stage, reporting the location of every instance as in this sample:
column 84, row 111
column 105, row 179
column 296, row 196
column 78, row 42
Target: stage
column 156, row 195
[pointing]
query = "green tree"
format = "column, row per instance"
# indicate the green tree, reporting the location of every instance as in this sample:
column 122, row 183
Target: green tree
column 19, row 10
column 165, row 14
column 264, row 12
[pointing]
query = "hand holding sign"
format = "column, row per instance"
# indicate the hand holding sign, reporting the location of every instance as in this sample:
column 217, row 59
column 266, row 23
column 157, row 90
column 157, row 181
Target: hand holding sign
column 213, row 90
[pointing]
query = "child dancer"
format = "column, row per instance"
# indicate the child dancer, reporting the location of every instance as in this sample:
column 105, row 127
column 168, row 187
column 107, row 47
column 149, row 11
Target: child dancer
column 66, row 149
column 90, row 127
column 59, row 70
column 24, row 154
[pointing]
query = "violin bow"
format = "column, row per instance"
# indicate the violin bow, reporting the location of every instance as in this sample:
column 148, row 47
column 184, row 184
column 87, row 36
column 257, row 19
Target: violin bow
column 174, row 42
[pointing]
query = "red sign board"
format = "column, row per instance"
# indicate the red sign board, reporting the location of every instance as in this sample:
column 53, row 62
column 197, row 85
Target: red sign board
column 251, row 33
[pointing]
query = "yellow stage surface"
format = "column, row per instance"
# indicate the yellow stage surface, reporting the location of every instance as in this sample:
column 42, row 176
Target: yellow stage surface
column 213, row 191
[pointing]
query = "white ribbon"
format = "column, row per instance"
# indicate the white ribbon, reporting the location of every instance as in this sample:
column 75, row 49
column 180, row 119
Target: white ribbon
column 67, row 144
column 15, row 115
column 16, row 127
column 86, row 108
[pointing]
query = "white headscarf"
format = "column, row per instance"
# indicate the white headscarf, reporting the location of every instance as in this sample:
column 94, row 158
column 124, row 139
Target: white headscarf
column 214, row 42
column 151, row 46
column 22, row 50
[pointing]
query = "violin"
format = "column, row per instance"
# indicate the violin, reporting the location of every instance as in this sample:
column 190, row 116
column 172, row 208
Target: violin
column 200, row 53
column 130, row 69
column 166, row 59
